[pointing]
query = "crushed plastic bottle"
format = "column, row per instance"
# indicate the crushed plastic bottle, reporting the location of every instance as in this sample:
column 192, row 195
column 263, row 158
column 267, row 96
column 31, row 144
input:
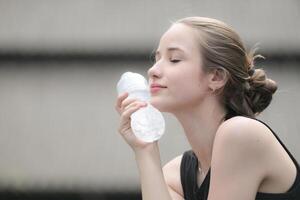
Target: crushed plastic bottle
column 147, row 123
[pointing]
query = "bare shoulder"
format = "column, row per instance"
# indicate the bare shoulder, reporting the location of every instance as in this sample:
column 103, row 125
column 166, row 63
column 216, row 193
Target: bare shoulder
column 240, row 123
column 238, row 158
column 245, row 150
column 171, row 172
column 243, row 130
column 243, row 140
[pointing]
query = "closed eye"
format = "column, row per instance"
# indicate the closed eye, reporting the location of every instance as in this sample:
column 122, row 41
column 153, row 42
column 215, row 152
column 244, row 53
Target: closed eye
column 175, row 61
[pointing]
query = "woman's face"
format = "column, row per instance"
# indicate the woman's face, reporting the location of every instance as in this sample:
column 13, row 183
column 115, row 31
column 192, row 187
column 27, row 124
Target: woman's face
column 178, row 70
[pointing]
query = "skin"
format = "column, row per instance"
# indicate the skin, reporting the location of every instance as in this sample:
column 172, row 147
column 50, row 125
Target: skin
column 242, row 153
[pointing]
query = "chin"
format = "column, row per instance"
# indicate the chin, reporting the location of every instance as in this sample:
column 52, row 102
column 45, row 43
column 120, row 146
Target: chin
column 162, row 107
column 155, row 103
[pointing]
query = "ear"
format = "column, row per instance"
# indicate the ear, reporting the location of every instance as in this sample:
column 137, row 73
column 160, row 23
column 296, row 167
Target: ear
column 217, row 79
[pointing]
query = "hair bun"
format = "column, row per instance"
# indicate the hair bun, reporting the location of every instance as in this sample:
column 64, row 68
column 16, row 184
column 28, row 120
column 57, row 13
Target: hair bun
column 261, row 90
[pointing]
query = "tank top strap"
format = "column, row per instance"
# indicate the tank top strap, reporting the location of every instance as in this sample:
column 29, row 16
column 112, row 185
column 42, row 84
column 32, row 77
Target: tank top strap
column 279, row 140
column 188, row 175
column 294, row 191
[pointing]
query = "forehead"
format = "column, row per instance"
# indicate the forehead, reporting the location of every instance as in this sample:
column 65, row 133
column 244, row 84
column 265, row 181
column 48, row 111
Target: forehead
column 179, row 35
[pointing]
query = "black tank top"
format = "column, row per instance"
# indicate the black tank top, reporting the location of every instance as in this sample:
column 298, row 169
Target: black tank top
column 189, row 170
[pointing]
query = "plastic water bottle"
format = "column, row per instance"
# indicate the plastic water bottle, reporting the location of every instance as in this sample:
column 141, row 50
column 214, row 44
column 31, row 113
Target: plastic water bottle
column 147, row 123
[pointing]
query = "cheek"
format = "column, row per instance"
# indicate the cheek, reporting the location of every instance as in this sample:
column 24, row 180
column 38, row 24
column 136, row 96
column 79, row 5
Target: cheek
column 186, row 85
column 189, row 89
column 187, row 92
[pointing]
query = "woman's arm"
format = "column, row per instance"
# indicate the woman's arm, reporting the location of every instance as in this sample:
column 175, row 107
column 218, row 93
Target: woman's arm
column 147, row 155
column 172, row 177
column 154, row 185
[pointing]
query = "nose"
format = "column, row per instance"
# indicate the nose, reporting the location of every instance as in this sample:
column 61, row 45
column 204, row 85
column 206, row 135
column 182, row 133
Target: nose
column 154, row 71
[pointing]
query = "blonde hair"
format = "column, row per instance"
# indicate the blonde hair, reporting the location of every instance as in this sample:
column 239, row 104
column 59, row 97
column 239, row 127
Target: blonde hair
column 247, row 91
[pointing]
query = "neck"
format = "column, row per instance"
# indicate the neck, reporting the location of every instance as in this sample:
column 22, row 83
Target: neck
column 200, row 125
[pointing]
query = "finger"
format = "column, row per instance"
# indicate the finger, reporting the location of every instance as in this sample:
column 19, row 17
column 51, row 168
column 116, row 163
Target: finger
column 127, row 102
column 120, row 99
column 133, row 103
column 127, row 113
column 124, row 127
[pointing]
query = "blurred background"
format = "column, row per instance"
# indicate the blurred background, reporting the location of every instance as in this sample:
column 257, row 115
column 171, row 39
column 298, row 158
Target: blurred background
column 60, row 61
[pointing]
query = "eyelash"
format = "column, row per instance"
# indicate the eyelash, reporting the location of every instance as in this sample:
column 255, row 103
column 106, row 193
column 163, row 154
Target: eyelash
column 175, row 61
column 153, row 59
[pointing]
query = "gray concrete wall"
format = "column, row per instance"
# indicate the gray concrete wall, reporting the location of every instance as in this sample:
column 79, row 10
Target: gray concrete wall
column 101, row 25
column 58, row 126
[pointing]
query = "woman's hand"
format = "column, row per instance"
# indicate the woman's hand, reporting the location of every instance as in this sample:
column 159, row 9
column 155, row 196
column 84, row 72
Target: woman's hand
column 125, row 107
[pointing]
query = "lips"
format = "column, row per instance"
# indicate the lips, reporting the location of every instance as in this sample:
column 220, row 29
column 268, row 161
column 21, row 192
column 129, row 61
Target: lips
column 156, row 85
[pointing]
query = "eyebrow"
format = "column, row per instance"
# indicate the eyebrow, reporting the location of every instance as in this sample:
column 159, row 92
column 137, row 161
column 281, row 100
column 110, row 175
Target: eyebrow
column 169, row 49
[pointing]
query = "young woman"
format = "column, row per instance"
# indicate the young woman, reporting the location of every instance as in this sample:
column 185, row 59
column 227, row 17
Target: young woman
column 204, row 76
